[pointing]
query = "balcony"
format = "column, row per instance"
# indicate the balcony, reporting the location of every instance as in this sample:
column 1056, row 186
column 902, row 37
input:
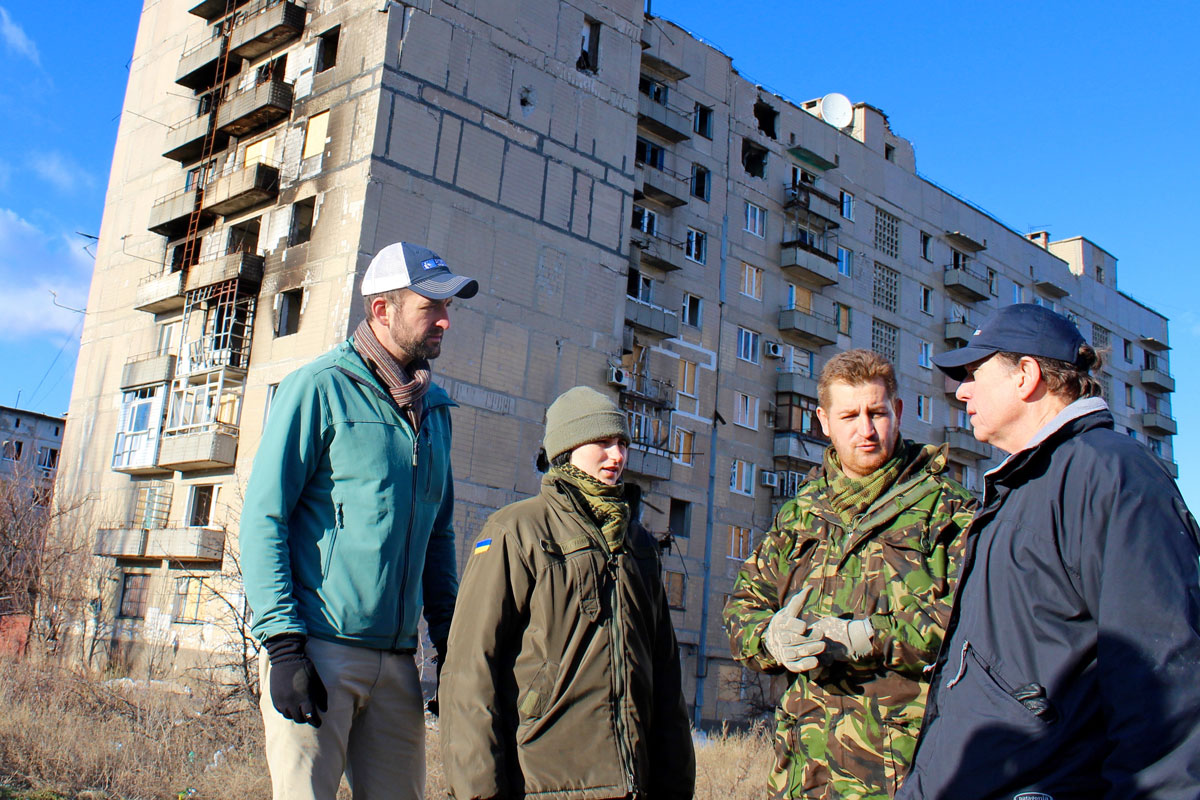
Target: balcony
column 964, row 283
column 170, row 214
column 198, row 64
column 964, row 444
column 1157, row 422
column 959, row 332
column 176, row 544
column 159, row 293
column 663, row 185
column 823, row 162
column 200, row 449
column 655, row 250
column 796, row 446
column 649, row 461
column 812, row 205
column 214, row 9
column 246, row 267
column 644, row 387
column 650, row 318
column 808, row 326
column 662, row 120
column 797, row 382
column 240, row 189
column 266, row 26
column 147, row 370
column 1154, row 343
column 255, row 108
column 807, row 263
column 185, row 140
column 136, row 453
column 1158, row 378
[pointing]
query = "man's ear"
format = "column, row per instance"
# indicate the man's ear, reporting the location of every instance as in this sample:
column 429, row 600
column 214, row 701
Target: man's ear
column 380, row 309
column 823, row 419
column 898, row 404
column 1029, row 377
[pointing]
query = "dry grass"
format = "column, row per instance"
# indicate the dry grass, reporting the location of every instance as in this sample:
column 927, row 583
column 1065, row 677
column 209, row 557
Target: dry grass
column 74, row 736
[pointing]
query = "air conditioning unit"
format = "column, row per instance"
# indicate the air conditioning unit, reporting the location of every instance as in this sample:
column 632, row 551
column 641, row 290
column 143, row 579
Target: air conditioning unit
column 774, row 350
column 616, row 376
column 768, row 478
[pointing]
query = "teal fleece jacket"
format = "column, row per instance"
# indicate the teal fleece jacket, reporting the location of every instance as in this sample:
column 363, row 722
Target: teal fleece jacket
column 347, row 523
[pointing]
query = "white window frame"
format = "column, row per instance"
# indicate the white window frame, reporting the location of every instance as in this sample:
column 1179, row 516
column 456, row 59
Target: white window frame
column 925, row 354
column 752, row 280
column 749, row 345
column 745, row 410
column 845, row 262
column 683, row 444
column 847, row 202
column 741, row 477
column 924, row 408
column 756, row 220
column 686, row 317
column 744, row 538
column 695, row 248
column 926, row 301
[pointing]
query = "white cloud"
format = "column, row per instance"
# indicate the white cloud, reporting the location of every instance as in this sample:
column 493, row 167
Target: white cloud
column 15, row 39
column 34, row 263
column 60, row 172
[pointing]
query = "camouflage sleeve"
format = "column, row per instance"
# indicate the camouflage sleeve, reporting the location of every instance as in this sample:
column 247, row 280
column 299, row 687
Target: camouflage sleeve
column 909, row 635
column 755, row 597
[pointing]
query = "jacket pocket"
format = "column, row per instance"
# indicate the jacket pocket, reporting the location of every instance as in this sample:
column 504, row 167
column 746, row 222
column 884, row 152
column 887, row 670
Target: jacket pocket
column 537, row 695
column 977, row 676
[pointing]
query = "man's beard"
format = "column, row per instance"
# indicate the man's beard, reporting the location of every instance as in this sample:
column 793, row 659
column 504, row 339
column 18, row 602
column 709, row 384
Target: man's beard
column 419, row 349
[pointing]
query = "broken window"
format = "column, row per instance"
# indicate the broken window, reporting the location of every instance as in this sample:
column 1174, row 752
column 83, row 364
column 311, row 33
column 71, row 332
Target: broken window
column 271, row 71
column 183, row 255
column 287, row 312
column 649, row 153
column 645, row 220
column 701, row 180
column 327, row 48
column 302, row 221
column 203, row 498
column 681, row 518
column 766, row 116
column 243, row 237
column 754, row 159
column 12, row 449
column 639, row 286
column 654, row 89
column 589, row 46
column 702, row 121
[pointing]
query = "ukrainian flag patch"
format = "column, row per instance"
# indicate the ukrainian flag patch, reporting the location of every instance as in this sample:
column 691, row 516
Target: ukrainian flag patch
column 481, row 546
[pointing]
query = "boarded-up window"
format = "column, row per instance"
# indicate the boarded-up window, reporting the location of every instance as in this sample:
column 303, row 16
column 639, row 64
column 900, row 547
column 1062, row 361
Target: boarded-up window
column 314, row 135
column 676, row 584
column 261, row 152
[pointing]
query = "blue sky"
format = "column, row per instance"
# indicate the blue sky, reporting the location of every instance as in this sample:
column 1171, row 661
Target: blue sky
column 1080, row 119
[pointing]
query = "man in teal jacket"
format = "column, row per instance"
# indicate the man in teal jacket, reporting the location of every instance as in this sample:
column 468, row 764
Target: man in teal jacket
column 346, row 531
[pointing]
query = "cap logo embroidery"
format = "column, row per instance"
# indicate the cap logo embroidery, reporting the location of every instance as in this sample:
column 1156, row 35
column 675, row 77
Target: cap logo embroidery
column 433, row 263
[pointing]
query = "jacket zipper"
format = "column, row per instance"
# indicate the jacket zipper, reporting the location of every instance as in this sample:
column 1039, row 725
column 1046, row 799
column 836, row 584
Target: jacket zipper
column 962, row 665
column 412, row 512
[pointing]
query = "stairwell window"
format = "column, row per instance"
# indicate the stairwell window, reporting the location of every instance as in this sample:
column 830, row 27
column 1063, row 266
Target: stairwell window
column 589, row 46
column 302, row 221
column 327, row 48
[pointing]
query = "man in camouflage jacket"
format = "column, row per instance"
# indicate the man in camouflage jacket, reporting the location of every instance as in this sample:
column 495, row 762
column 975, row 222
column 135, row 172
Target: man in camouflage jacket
column 850, row 590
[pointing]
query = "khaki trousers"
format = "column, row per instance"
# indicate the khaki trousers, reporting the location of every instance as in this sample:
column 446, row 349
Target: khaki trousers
column 374, row 730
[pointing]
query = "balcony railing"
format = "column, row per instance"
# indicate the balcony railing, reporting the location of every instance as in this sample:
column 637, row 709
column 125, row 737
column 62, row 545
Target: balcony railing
column 797, row 381
column 209, row 447
column 170, row 213
column 185, row 139
column 649, row 460
column 651, row 318
column 655, row 390
column 807, row 325
column 1158, row 422
column 147, row 369
column 158, row 293
column 241, row 188
column 264, row 26
column 965, row 283
column 964, row 444
column 175, row 543
column 198, row 65
column 805, row 262
column 254, row 108
column 656, row 250
column 246, row 267
column 663, row 185
column 663, row 120
column 215, row 350
column 1158, row 378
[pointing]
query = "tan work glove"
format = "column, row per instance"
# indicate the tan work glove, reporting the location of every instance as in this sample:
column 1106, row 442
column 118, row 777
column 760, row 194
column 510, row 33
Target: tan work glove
column 845, row 639
column 787, row 638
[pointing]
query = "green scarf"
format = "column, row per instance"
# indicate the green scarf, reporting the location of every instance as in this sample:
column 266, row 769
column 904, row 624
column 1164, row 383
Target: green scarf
column 851, row 497
column 604, row 502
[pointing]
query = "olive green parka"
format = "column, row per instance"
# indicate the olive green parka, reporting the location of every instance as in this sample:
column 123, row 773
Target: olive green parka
column 563, row 678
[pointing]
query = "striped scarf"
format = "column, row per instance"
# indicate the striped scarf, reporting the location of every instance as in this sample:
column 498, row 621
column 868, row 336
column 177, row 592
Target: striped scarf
column 406, row 393
column 605, row 503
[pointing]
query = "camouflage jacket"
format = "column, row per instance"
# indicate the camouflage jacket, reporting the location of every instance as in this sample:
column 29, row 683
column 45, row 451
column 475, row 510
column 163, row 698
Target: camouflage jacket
column 848, row 730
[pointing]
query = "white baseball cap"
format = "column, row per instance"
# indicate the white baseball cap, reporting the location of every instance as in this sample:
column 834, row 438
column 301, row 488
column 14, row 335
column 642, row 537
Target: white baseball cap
column 408, row 266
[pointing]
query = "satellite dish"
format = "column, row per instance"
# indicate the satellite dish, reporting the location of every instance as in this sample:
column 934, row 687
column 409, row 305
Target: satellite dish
column 836, row 110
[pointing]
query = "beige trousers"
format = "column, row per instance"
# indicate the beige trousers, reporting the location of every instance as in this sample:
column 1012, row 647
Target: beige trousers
column 374, row 730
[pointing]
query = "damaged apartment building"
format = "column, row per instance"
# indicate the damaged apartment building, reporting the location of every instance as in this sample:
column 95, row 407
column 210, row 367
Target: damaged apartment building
column 640, row 218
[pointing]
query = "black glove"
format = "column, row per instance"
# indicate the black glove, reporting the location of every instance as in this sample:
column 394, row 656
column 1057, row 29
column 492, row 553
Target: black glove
column 296, row 689
column 433, row 706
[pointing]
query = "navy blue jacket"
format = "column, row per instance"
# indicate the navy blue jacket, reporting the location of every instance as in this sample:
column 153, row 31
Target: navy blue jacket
column 1071, row 666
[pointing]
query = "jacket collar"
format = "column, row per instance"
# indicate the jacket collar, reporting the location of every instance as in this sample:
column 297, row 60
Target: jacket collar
column 1010, row 470
column 1080, row 408
column 557, row 491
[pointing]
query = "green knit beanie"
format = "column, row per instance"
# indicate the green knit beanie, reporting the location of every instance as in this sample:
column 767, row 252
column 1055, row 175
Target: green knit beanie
column 579, row 416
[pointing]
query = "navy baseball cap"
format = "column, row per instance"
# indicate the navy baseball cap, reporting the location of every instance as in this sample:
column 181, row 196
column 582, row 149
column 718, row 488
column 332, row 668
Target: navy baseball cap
column 1024, row 329
column 408, row 266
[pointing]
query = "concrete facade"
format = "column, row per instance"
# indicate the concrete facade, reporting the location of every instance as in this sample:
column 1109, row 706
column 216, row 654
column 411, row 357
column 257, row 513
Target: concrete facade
column 639, row 217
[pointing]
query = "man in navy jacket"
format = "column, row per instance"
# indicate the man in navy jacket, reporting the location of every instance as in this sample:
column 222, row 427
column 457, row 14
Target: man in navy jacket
column 1071, row 666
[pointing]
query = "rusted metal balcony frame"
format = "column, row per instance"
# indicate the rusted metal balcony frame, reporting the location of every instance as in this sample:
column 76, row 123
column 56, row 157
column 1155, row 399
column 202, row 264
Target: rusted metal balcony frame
column 240, row 265
column 264, row 26
column 255, row 108
column 240, row 188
